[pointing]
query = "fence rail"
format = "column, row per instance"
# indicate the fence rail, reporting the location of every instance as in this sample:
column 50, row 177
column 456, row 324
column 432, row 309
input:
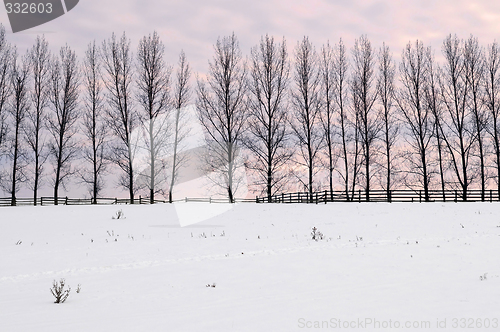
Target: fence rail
column 383, row 196
column 298, row 197
column 46, row 201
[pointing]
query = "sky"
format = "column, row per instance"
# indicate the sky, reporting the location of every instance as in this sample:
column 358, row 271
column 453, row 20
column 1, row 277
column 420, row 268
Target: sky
column 194, row 26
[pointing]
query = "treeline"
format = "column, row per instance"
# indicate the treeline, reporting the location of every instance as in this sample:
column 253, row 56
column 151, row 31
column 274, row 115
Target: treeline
column 79, row 117
column 332, row 118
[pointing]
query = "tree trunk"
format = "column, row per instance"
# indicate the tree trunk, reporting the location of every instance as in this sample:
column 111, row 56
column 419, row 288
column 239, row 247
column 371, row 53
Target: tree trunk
column 14, row 168
column 130, row 176
column 388, row 153
column 153, row 152
column 176, row 140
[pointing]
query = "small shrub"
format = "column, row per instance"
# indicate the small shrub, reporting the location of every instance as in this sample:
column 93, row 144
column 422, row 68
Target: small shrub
column 211, row 285
column 483, row 277
column 119, row 215
column 79, row 288
column 316, row 234
column 59, row 292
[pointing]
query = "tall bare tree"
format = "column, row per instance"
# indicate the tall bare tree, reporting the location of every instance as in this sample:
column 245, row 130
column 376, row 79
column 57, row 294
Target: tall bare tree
column 222, row 111
column 182, row 95
column 5, row 86
column 417, row 117
column 433, row 102
column 460, row 134
column 62, row 122
column 341, row 91
column 153, row 81
column 35, row 133
column 122, row 120
column 474, row 75
column 365, row 94
column 95, row 128
column 492, row 102
column 306, row 109
column 19, row 105
column 390, row 129
column 328, row 110
column 268, row 136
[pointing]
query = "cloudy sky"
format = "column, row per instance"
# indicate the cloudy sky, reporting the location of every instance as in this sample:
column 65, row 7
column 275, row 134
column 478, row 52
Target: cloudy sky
column 195, row 25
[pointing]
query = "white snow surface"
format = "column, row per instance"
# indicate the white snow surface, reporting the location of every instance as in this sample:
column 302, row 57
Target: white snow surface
column 388, row 263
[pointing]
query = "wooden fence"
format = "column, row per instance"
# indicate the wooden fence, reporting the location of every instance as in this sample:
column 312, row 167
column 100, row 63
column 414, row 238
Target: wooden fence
column 298, row 197
column 383, row 196
column 45, row 201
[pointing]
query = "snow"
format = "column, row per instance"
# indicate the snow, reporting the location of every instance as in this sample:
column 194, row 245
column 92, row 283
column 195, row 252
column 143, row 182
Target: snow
column 386, row 263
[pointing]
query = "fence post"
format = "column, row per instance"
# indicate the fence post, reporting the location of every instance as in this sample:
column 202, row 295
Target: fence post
column 359, row 196
column 390, row 196
column 455, row 196
column 140, row 199
column 186, row 199
column 66, row 201
column 491, row 195
column 41, row 201
column 256, row 199
column 420, row 196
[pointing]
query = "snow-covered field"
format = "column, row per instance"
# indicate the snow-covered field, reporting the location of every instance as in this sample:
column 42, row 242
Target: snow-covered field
column 418, row 266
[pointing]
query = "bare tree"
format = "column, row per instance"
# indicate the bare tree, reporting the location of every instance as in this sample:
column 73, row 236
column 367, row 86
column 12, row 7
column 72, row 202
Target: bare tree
column 390, row 129
column 182, row 95
column 492, row 102
column 306, row 108
column 222, row 111
column 433, row 102
column 417, row 117
column 365, row 94
column 39, row 56
column 474, row 75
column 5, row 86
column 460, row 136
column 153, row 83
column 62, row 122
column 118, row 75
column 268, row 137
column 341, row 90
column 95, row 127
column 328, row 111
column 19, row 105
column 356, row 151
